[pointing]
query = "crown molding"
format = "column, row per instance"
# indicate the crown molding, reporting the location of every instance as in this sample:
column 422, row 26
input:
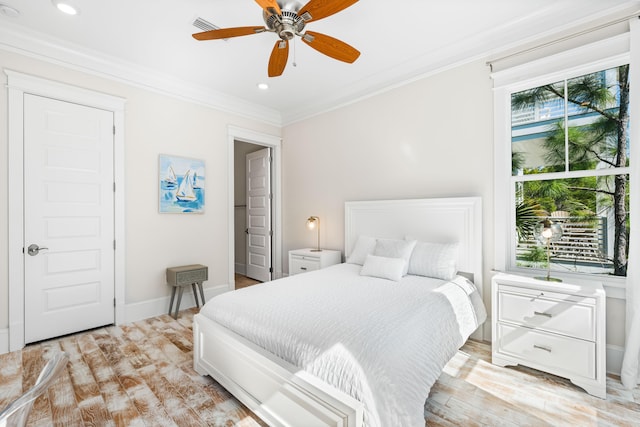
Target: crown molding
column 17, row 39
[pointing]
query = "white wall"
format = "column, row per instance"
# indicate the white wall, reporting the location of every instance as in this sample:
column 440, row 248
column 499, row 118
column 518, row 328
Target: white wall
column 154, row 124
column 430, row 138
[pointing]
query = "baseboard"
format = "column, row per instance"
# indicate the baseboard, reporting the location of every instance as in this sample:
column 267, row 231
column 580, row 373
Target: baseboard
column 615, row 353
column 241, row 268
column 151, row 308
column 486, row 329
column 143, row 310
column 4, row 341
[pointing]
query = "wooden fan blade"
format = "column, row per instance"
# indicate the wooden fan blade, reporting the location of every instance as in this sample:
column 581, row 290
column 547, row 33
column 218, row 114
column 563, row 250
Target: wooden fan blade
column 318, row 9
column 279, row 57
column 331, row 47
column 270, row 6
column 225, row 33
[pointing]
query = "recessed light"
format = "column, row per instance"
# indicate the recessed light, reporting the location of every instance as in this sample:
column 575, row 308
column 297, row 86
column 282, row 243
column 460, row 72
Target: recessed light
column 66, row 7
column 9, row 11
column 263, row 86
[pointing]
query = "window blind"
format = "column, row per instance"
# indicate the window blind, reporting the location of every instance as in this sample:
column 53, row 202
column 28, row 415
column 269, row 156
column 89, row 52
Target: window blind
column 560, row 52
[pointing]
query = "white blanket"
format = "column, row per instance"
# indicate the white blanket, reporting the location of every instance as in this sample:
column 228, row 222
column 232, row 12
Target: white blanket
column 384, row 343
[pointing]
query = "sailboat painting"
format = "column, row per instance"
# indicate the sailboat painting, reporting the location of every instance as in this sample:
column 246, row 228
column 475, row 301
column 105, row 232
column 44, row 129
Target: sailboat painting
column 170, row 179
column 182, row 183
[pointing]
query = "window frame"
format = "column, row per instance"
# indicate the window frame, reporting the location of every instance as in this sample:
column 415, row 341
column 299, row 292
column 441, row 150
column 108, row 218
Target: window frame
column 547, row 71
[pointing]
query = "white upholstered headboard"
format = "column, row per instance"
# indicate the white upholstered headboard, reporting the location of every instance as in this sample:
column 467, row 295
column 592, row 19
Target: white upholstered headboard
column 440, row 220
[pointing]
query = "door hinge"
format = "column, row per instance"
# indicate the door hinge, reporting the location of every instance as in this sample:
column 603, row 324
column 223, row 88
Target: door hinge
column 114, row 302
column 114, row 187
column 270, row 232
column 270, row 269
column 114, row 245
column 114, row 129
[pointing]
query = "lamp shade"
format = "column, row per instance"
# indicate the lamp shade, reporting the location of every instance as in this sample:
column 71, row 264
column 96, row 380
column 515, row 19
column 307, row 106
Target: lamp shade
column 548, row 232
column 313, row 222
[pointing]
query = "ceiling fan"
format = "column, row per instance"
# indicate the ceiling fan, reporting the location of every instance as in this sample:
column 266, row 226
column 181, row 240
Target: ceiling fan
column 287, row 19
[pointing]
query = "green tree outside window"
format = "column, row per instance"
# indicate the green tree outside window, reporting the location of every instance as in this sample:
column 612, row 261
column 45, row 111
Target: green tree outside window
column 576, row 130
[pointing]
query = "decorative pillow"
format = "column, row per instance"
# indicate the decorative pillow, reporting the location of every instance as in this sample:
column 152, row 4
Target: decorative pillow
column 364, row 246
column 434, row 260
column 395, row 248
column 383, row 267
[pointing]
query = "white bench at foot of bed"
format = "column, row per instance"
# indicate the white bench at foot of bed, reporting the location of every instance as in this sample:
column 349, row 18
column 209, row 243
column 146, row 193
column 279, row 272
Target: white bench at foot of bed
column 278, row 392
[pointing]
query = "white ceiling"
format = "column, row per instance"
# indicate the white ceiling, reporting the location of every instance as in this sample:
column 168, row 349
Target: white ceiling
column 148, row 42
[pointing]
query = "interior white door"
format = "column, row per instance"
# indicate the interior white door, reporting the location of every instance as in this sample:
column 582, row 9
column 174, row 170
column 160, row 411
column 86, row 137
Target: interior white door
column 259, row 215
column 69, row 216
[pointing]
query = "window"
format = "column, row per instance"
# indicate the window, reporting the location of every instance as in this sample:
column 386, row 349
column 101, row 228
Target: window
column 570, row 164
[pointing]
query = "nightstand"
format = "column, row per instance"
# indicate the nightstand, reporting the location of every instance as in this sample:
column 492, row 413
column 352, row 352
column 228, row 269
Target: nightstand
column 179, row 277
column 303, row 260
column 553, row 327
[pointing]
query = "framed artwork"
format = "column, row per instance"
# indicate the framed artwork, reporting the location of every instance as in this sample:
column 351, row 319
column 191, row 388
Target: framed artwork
column 181, row 184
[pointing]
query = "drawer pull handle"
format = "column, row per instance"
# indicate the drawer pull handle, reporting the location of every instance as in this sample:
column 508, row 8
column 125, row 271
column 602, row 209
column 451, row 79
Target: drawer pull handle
column 303, row 268
column 538, row 313
column 539, row 347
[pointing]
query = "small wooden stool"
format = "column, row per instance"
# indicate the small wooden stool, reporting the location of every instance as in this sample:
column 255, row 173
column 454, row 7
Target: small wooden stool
column 179, row 277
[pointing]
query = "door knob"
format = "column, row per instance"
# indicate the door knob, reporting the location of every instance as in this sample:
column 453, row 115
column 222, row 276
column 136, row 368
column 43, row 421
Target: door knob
column 34, row 249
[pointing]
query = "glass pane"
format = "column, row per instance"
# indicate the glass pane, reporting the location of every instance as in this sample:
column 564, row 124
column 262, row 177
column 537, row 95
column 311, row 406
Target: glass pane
column 536, row 115
column 592, row 240
column 599, row 119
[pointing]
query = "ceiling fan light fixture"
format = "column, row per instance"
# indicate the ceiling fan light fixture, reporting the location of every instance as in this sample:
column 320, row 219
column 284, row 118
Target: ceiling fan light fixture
column 286, row 25
column 66, row 7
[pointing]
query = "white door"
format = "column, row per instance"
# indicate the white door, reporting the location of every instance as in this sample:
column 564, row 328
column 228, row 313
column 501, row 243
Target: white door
column 69, row 210
column 259, row 215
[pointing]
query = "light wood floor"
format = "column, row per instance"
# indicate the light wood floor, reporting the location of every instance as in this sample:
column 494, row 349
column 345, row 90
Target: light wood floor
column 141, row 374
column 244, row 281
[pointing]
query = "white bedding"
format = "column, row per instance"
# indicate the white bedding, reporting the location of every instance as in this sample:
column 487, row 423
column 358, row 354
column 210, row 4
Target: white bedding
column 383, row 342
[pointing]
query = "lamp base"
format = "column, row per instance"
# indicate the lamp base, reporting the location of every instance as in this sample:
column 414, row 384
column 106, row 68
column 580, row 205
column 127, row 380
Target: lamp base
column 316, row 250
column 548, row 279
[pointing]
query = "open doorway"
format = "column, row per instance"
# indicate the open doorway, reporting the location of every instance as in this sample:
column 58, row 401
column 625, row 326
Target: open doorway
column 252, row 214
column 251, row 148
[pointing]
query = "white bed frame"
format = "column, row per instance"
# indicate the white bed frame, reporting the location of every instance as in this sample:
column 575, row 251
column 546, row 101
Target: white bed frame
column 280, row 393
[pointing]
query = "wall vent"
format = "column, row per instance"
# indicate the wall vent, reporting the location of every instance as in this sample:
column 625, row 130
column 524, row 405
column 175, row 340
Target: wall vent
column 204, row 25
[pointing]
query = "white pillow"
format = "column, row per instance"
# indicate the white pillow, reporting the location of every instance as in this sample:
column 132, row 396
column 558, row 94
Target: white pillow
column 434, row 260
column 395, row 248
column 383, row 267
column 364, row 246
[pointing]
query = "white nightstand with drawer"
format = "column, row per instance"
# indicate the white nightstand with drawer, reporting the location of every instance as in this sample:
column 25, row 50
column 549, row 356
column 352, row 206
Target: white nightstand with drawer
column 553, row 327
column 303, row 260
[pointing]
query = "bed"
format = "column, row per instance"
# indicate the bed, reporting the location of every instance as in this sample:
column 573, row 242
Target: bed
column 359, row 343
